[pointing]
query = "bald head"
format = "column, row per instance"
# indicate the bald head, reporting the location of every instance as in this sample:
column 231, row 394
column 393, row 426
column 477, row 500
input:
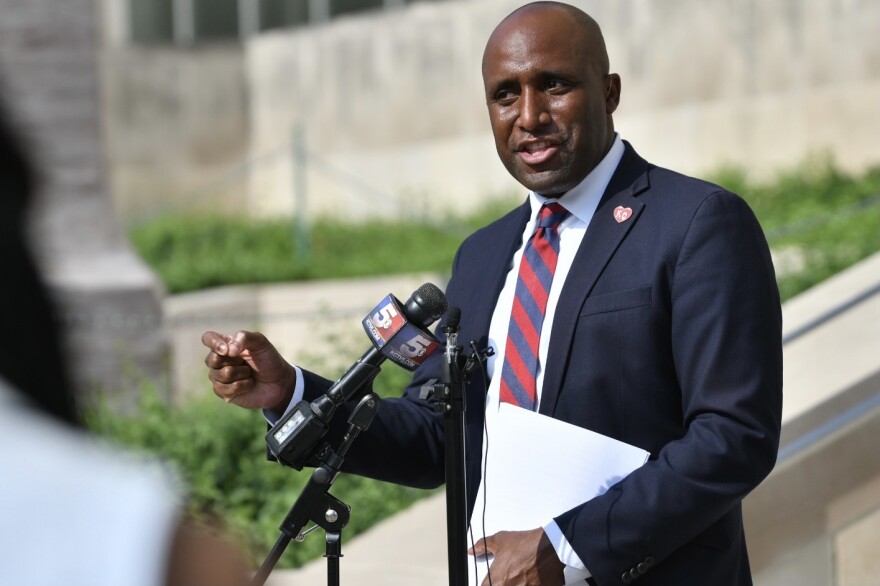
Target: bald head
column 575, row 26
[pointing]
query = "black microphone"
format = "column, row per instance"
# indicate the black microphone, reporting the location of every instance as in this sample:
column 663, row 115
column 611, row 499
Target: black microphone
column 398, row 332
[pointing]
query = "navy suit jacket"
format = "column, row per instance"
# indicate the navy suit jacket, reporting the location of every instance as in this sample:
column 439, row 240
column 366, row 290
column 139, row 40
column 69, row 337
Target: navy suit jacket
column 667, row 336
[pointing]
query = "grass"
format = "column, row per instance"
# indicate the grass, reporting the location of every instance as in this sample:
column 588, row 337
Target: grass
column 196, row 252
column 821, row 218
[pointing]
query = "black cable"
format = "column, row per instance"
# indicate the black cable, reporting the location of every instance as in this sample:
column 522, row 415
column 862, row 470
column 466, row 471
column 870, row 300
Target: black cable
column 485, row 375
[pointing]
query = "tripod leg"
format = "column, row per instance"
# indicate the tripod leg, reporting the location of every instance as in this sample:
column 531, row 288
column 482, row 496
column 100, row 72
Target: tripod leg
column 263, row 573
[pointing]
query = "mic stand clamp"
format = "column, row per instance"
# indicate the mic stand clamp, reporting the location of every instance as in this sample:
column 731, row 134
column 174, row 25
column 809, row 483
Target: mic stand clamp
column 315, row 504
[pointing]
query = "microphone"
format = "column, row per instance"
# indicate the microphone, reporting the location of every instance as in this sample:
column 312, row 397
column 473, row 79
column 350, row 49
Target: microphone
column 398, row 332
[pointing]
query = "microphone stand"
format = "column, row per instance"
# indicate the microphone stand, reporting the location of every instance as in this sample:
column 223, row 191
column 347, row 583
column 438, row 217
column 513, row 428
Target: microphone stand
column 449, row 394
column 317, row 505
column 452, row 398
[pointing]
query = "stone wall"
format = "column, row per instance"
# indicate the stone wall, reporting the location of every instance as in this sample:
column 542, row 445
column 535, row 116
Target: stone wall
column 814, row 520
column 395, row 98
column 176, row 125
column 388, row 105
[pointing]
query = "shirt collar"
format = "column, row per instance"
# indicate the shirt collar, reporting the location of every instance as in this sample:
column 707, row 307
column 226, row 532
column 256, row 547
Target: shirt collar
column 581, row 200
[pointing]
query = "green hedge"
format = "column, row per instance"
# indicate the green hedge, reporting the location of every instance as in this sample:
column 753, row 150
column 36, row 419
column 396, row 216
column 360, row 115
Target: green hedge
column 192, row 252
column 815, row 214
column 219, row 452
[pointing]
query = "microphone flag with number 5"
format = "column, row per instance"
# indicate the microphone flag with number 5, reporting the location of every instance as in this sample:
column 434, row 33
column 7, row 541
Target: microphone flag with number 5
column 399, row 340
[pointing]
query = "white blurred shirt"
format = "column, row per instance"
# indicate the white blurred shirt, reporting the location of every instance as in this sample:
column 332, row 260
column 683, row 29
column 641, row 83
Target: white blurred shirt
column 74, row 512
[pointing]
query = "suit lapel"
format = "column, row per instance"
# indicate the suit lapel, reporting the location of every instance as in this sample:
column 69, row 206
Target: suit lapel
column 601, row 241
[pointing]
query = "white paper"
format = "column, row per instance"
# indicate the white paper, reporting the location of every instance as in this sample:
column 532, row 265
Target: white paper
column 537, row 468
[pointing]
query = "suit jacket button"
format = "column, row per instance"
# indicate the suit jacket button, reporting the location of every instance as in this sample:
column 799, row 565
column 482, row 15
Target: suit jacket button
column 625, row 578
column 649, row 561
column 643, row 567
column 634, row 573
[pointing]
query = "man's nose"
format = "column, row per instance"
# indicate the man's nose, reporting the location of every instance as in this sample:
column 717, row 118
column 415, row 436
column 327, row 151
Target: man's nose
column 533, row 110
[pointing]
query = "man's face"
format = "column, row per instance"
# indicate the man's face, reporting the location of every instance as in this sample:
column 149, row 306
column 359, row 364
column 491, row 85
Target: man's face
column 549, row 101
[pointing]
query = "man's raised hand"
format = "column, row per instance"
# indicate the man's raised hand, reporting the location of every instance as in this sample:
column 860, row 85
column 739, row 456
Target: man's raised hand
column 247, row 370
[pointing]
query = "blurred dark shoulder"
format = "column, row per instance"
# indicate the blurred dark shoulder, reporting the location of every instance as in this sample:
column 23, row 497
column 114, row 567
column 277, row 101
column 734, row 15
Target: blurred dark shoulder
column 31, row 358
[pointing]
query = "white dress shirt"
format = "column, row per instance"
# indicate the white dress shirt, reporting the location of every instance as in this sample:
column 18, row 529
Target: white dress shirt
column 581, row 202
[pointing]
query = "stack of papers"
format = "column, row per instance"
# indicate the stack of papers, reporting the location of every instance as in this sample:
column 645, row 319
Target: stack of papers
column 537, row 468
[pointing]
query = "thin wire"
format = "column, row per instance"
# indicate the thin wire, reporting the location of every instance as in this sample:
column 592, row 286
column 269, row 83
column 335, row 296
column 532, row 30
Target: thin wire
column 485, row 376
column 485, row 491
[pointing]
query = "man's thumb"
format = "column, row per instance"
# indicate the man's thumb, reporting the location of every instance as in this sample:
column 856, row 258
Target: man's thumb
column 481, row 547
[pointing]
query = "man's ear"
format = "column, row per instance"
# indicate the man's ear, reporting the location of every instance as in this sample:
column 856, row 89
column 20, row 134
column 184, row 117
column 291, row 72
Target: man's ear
column 612, row 93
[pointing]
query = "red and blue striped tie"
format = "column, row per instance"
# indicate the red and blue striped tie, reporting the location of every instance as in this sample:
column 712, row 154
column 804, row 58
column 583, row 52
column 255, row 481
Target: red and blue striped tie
column 520, row 369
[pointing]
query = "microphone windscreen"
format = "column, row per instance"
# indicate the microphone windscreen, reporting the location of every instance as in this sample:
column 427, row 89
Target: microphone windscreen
column 453, row 318
column 426, row 305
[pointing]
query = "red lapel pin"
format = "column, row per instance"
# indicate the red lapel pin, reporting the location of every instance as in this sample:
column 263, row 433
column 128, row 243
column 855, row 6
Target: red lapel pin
column 622, row 214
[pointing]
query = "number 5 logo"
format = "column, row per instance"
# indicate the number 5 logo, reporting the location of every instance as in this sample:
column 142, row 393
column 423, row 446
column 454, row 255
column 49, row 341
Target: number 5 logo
column 415, row 347
column 384, row 317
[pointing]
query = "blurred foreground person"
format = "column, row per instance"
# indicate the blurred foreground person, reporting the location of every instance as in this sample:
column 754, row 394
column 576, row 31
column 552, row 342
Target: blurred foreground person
column 75, row 512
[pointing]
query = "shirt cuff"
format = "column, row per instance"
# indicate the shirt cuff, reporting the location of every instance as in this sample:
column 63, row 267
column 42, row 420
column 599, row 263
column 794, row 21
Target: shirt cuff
column 563, row 548
column 272, row 417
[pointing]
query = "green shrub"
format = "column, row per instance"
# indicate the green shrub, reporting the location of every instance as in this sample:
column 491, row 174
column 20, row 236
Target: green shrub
column 191, row 252
column 821, row 217
column 219, row 452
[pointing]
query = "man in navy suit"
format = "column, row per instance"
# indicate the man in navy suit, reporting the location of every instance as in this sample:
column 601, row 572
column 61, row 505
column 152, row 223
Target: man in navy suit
column 662, row 330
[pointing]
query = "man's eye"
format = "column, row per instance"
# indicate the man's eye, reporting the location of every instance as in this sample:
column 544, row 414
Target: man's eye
column 556, row 85
column 504, row 97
